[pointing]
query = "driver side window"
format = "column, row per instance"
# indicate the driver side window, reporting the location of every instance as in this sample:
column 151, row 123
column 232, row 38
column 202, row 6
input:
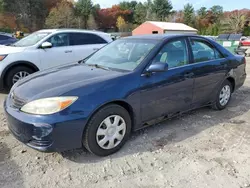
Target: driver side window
column 174, row 53
column 59, row 40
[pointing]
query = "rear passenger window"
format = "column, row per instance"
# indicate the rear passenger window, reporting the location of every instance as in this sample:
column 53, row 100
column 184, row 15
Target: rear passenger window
column 203, row 51
column 85, row 39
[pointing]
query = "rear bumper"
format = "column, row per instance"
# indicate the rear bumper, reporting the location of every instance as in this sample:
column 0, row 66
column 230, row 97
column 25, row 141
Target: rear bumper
column 46, row 134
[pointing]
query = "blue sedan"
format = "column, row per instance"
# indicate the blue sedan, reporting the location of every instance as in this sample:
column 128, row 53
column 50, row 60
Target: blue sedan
column 6, row 40
column 129, row 84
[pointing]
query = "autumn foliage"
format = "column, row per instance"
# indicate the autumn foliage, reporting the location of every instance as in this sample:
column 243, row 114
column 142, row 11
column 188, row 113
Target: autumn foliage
column 107, row 18
column 32, row 15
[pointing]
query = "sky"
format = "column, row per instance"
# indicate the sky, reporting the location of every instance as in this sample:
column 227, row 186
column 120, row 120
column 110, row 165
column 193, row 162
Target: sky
column 178, row 4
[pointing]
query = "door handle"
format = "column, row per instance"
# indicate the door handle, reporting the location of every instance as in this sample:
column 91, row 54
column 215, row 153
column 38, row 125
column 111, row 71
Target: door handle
column 95, row 49
column 189, row 75
column 68, row 51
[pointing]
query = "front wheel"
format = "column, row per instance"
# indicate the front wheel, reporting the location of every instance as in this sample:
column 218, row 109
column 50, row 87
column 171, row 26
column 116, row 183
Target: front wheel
column 223, row 97
column 107, row 131
column 16, row 74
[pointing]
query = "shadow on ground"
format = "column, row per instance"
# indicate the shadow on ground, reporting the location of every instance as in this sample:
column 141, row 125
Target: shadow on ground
column 173, row 131
column 10, row 175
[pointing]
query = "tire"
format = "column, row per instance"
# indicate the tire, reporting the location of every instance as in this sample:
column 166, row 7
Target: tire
column 10, row 75
column 218, row 105
column 96, row 123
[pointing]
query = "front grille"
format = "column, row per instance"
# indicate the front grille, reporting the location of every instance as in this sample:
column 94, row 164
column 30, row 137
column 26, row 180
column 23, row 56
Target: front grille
column 16, row 101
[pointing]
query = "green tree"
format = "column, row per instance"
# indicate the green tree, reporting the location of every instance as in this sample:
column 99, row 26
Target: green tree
column 126, row 5
column 1, row 6
column 140, row 13
column 217, row 12
column 84, row 9
column 149, row 8
column 162, row 9
column 202, row 12
column 61, row 16
column 189, row 14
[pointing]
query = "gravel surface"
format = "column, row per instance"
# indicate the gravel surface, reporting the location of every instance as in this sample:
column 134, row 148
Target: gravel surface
column 203, row 148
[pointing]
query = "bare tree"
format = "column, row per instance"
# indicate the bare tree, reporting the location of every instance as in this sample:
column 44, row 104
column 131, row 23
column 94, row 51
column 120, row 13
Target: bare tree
column 234, row 22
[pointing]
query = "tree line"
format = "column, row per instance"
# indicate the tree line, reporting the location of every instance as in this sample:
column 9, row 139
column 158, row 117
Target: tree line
column 31, row 15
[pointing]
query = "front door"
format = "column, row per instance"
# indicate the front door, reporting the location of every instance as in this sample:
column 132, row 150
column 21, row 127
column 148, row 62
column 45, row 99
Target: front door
column 61, row 52
column 209, row 68
column 168, row 92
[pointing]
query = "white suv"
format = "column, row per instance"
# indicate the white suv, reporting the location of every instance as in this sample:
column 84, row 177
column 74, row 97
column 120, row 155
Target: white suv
column 45, row 49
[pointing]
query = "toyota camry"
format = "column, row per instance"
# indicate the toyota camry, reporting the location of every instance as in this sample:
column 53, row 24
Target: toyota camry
column 127, row 85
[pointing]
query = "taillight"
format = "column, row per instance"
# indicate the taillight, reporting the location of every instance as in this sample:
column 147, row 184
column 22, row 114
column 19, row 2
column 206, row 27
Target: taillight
column 244, row 60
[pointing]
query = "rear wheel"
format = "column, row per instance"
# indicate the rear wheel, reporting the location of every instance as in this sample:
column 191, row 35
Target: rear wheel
column 107, row 131
column 223, row 96
column 16, row 74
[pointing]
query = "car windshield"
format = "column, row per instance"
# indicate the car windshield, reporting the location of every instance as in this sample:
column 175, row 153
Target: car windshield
column 31, row 40
column 124, row 54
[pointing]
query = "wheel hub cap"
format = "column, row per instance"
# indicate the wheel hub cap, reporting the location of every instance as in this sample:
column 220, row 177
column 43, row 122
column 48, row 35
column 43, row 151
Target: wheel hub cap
column 111, row 132
column 225, row 95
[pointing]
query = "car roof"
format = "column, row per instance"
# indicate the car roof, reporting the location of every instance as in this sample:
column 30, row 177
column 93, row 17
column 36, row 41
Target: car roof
column 104, row 35
column 161, row 36
column 69, row 30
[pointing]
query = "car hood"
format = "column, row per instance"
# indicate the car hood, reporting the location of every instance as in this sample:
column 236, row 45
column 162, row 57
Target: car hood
column 57, row 81
column 4, row 50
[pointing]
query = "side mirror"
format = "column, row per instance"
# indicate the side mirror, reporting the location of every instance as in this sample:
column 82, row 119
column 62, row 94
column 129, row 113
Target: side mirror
column 46, row 45
column 157, row 67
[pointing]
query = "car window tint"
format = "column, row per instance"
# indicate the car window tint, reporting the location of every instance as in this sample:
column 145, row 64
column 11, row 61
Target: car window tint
column 59, row 40
column 174, row 53
column 85, row 39
column 203, row 51
column 3, row 37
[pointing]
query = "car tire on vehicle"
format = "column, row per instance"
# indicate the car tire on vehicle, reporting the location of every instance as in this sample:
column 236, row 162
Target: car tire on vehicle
column 223, row 96
column 13, row 74
column 107, row 130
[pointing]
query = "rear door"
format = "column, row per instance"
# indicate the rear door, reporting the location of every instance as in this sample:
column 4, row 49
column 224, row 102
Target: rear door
column 209, row 68
column 60, row 53
column 84, row 44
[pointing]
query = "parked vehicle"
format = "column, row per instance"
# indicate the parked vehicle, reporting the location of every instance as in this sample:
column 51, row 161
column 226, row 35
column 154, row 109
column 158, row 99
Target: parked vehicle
column 6, row 39
column 129, row 84
column 46, row 49
column 243, row 47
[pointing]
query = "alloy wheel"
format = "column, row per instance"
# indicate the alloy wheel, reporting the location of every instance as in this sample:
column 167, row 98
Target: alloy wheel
column 19, row 75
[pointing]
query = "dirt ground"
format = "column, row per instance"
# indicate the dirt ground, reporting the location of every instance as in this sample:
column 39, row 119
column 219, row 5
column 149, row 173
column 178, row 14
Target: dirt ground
column 204, row 148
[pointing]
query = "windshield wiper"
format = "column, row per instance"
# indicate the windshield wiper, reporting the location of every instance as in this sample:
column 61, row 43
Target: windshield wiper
column 98, row 66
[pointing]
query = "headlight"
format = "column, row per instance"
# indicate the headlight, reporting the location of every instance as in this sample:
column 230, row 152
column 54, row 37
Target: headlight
column 48, row 106
column 2, row 57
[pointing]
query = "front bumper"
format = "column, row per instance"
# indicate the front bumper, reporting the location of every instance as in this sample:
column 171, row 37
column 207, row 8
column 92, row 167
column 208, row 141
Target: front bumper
column 53, row 133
